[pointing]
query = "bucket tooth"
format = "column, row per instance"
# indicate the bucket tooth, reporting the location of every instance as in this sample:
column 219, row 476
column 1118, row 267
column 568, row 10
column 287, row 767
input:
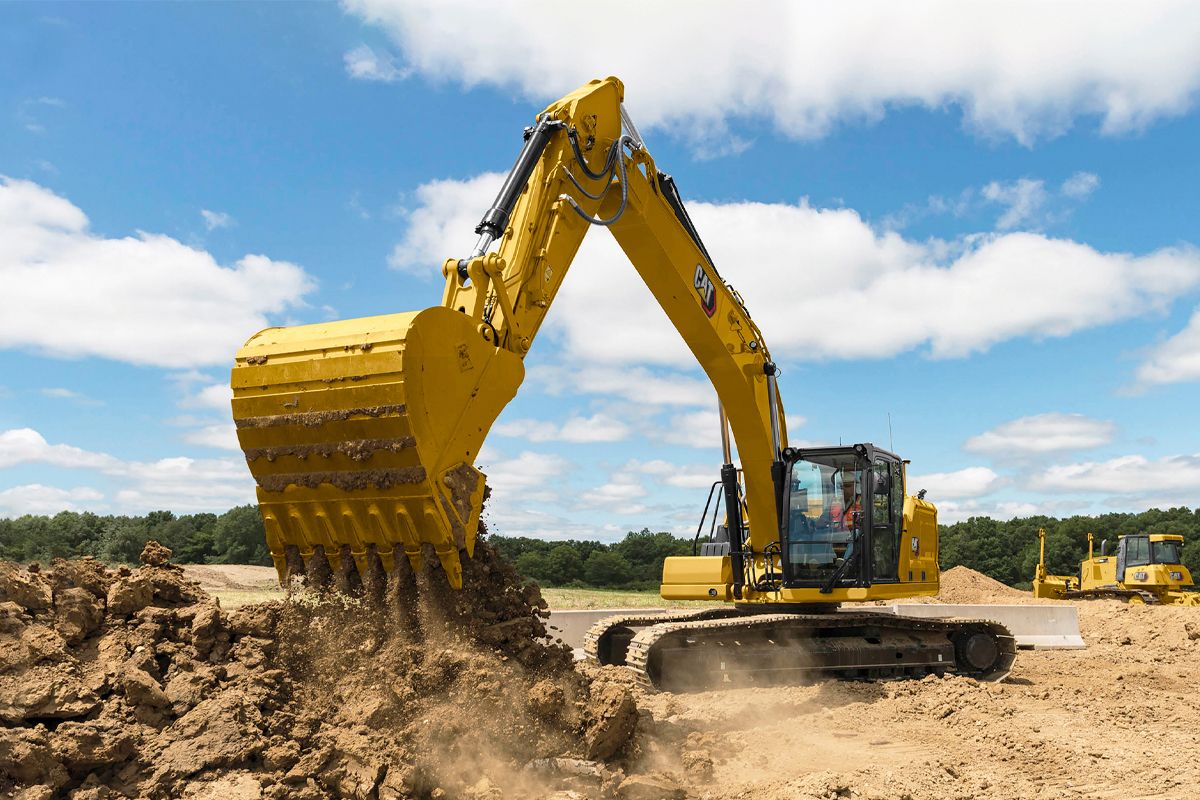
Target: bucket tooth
column 361, row 562
column 294, row 562
column 415, row 559
column 317, row 570
column 346, row 575
column 387, row 559
column 452, row 565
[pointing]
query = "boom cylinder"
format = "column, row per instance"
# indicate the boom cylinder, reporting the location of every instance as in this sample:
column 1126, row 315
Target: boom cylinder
column 726, row 455
column 733, row 519
column 496, row 218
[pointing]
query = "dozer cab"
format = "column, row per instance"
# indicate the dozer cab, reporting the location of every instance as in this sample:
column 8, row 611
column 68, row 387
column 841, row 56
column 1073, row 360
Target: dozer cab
column 362, row 435
column 1147, row 568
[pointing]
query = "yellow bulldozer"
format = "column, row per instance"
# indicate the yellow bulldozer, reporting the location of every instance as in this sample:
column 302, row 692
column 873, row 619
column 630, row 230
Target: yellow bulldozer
column 362, row 435
column 1147, row 568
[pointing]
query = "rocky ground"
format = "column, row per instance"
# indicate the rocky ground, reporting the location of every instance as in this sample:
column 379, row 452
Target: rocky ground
column 137, row 684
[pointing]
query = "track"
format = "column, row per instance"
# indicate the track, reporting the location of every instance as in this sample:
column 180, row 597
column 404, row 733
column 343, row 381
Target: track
column 722, row 647
column 1128, row 595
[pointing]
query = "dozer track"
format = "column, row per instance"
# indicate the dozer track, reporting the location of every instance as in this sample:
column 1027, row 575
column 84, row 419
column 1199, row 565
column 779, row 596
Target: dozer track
column 726, row 647
column 1128, row 595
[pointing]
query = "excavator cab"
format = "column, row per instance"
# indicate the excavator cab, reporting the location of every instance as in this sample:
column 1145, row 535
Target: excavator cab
column 843, row 518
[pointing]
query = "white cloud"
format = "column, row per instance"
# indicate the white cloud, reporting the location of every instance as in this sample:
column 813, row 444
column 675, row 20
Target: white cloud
column 185, row 485
column 579, row 430
column 365, row 64
column 147, row 300
column 1028, row 205
column 1174, row 361
column 677, row 475
column 215, row 219
column 1127, row 475
column 1026, row 70
column 221, row 435
column 1080, row 185
column 693, row 429
column 658, row 387
column 953, row 298
column 1043, row 433
column 538, row 524
column 951, row 511
column 60, row 393
column 27, row 446
column 28, row 112
column 1023, row 200
column 438, row 228
column 618, row 495
column 34, row 498
column 526, row 478
column 217, row 396
column 180, row 484
column 963, row 483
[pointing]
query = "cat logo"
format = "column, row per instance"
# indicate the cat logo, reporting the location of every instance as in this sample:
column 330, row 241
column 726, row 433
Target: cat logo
column 706, row 290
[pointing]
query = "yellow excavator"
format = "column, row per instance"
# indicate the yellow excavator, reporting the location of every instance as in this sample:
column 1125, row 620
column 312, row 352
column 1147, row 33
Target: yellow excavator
column 362, row 435
column 1147, row 568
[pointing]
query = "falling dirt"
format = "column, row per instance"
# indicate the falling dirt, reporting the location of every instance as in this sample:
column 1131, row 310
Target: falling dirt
column 136, row 684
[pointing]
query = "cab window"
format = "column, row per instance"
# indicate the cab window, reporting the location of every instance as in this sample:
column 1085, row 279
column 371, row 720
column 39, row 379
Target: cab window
column 1137, row 551
column 887, row 509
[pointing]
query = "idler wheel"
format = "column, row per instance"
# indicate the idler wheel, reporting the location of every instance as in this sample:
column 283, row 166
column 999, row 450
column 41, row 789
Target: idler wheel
column 978, row 651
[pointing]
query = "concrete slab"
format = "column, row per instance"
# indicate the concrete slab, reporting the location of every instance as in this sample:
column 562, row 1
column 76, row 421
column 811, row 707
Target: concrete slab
column 1035, row 627
column 570, row 626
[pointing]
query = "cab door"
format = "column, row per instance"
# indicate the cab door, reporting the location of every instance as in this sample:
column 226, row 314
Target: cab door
column 886, row 519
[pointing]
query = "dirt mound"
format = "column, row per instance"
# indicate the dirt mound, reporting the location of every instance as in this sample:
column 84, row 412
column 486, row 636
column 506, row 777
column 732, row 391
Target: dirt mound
column 135, row 683
column 965, row 585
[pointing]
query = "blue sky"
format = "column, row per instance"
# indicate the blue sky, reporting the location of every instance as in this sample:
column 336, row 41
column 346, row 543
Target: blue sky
column 981, row 221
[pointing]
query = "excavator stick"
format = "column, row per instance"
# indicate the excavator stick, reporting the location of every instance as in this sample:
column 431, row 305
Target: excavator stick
column 362, row 434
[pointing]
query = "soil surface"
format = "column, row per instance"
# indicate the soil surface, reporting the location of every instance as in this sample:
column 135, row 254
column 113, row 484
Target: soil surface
column 137, row 684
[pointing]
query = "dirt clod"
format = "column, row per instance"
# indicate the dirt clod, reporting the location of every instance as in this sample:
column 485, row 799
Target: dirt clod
column 155, row 555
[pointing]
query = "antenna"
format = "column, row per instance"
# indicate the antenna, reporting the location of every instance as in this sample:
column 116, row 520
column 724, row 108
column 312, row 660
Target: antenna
column 891, row 446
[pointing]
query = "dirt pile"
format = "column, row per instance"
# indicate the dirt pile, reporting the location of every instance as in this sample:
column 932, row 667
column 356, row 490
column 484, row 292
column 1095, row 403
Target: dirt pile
column 965, row 585
column 134, row 683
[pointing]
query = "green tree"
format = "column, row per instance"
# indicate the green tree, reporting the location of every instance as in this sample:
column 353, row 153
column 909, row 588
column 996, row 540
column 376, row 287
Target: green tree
column 645, row 552
column 532, row 564
column 239, row 538
column 563, row 565
column 604, row 568
column 123, row 539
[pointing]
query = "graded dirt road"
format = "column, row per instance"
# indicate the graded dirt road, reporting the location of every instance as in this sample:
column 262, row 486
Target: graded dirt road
column 139, row 685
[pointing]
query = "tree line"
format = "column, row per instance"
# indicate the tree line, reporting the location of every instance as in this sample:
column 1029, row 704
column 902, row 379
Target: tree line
column 1004, row 550
column 235, row 537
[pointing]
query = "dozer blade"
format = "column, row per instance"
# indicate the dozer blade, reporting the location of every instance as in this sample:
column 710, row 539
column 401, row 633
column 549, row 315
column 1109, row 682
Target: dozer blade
column 362, row 435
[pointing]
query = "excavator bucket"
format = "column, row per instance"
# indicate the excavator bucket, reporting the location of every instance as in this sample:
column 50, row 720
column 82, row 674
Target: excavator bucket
column 362, row 435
